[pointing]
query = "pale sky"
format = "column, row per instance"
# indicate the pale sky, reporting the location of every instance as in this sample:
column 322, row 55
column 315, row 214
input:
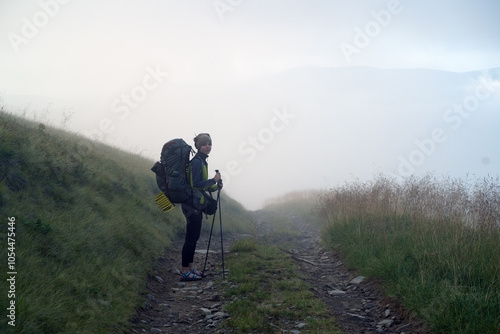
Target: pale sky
column 127, row 68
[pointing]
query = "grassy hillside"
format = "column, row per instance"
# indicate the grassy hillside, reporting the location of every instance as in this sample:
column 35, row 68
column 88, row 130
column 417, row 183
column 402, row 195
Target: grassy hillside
column 304, row 204
column 434, row 242
column 86, row 229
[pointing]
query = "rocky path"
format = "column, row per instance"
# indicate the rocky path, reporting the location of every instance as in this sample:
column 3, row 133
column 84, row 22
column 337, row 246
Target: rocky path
column 355, row 301
column 184, row 307
column 197, row 307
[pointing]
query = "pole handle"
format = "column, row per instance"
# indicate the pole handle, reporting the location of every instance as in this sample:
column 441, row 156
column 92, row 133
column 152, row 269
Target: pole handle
column 220, row 181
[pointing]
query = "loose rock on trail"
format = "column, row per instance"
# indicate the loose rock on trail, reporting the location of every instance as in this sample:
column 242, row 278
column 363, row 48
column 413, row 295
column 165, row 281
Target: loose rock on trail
column 357, row 303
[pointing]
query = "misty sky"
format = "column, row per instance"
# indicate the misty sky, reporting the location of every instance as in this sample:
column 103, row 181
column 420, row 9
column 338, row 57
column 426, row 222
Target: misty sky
column 137, row 73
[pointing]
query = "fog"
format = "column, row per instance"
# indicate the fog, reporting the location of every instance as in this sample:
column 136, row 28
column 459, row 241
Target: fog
column 296, row 95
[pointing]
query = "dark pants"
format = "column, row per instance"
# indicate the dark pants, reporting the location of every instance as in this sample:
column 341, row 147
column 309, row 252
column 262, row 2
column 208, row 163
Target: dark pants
column 193, row 229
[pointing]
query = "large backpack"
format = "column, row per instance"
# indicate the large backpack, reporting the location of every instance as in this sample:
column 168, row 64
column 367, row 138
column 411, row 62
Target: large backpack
column 171, row 170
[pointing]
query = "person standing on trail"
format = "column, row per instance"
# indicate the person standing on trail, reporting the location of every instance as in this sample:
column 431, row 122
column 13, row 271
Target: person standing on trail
column 198, row 176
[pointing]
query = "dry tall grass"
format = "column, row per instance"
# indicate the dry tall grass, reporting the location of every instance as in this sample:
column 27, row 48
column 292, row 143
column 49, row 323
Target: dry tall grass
column 436, row 244
column 474, row 203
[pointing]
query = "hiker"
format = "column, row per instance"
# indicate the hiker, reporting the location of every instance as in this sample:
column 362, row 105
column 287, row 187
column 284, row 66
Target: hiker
column 198, row 176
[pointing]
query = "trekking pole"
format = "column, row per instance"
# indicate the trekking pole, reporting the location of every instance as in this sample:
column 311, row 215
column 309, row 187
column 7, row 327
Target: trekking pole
column 210, row 237
column 212, row 228
column 219, row 183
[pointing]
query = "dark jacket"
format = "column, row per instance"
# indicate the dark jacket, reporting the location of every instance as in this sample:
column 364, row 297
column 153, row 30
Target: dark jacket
column 198, row 174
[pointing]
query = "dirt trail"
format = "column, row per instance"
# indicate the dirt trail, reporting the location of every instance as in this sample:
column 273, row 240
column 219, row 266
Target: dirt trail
column 356, row 302
column 197, row 307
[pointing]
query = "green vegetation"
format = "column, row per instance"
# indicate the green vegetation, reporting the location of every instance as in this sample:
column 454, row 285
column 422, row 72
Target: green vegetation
column 235, row 218
column 434, row 242
column 268, row 294
column 87, row 229
column 303, row 204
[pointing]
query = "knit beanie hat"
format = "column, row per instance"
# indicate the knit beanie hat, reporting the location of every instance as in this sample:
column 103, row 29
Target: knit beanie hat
column 201, row 140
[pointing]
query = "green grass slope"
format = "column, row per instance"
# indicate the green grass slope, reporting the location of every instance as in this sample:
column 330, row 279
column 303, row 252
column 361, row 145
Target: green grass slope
column 434, row 242
column 85, row 233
